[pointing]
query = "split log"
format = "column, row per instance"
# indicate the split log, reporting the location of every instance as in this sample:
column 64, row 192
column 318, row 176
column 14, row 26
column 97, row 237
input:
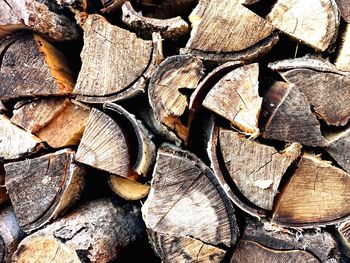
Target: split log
column 236, row 98
column 255, row 168
column 246, row 35
column 128, row 189
column 174, row 76
column 38, row 16
column 339, row 148
column 314, row 23
column 344, row 8
column 10, row 234
column 172, row 28
column 97, row 231
column 16, row 143
column 314, row 196
column 186, row 201
column 343, row 231
column 3, row 192
column 342, row 60
column 58, row 121
column 41, row 188
column 31, row 66
column 289, row 117
column 125, row 73
column 327, row 92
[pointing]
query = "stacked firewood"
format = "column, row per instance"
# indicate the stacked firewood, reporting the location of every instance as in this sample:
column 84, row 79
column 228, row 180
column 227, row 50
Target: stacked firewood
column 174, row 131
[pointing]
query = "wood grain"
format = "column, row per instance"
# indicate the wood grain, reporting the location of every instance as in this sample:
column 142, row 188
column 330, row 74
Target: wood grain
column 342, row 59
column 128, row 189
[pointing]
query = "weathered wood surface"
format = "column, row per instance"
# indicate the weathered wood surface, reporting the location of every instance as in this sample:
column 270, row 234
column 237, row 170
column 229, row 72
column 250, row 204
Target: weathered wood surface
column 10, row 234
column 3, row 192
column 41, row 188
column 37, row 16
column 58, row 121
column 344, row 8
column 289, row 116
column 31, row 66
column 239, row 34
column 128, row 62
column 255, row 168
column 314, row 22
column 172, row 28
column 236, row 98
column 96, row 231
column 16, row 143
column 127, row 188
column 166, row 91
column 343, row 230
column 315, row 195
column 342, row 60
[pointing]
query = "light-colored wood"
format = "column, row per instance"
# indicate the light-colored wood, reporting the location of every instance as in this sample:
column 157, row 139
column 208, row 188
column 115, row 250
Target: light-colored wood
column 172, row 28
column 96, row 231
column 236, row 98
column 16, row 143
column 239, row 34
column 316, row 194
column 342, row 60
column 127, row 188
column 31, row 67
column 255, row 168
column 314, row 22
column 41, row 188
column 165, row 95
column 59, row 122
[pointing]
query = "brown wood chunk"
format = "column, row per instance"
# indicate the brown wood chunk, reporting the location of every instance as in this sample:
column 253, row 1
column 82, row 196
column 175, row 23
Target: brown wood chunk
column 174, row 76
column 250, row 252
column 236, row 98
column 31, row 66
column 16, row 143
column 289, row 116
column 255, row 168
column 41, row 188
column 314, row 22
column 344, row 8
column 58, row 121
column 239, row 34
column 115, row 62
column 3, row 192
column 316, row 194
column 185, row 200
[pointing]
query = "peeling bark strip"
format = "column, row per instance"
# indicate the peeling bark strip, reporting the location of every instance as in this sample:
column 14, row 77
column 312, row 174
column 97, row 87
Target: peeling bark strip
column 16, row 143
column 175, row 76
column 34, row 15
column 127, row 188
column 172, row 28
column 96, row 231
column 127, row 62
column 314, row 196
column 245, row 35
column 185, row 201
column 236, row 98
column 314, row 22
column 31, row 66
column 289, row 116
column 255, row 168
column 41, row 188
column 58, row 121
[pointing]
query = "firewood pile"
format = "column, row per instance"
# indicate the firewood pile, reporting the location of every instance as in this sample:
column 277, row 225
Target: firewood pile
column 175, row 131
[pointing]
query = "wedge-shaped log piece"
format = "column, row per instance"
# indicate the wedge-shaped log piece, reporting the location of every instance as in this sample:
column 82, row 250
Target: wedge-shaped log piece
column 95, row 232
column 314, row 22
column 255, row 168
column 236, row 98
column 249, row 252
column 342, row 60
column 186, row 249
column 124, row 72
column 225, row 30
column 58, row 121
column 10, row 234
column 35, row 15
column 186, row 201
column 16, row 143
column 166, row 90
column 327, row 92
column 3, row 192
column 339, row 147
column 172, row 28
column 289, row 116
column 31, row 66
column 127, row 188
column 41, row 188
column 315, row 195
